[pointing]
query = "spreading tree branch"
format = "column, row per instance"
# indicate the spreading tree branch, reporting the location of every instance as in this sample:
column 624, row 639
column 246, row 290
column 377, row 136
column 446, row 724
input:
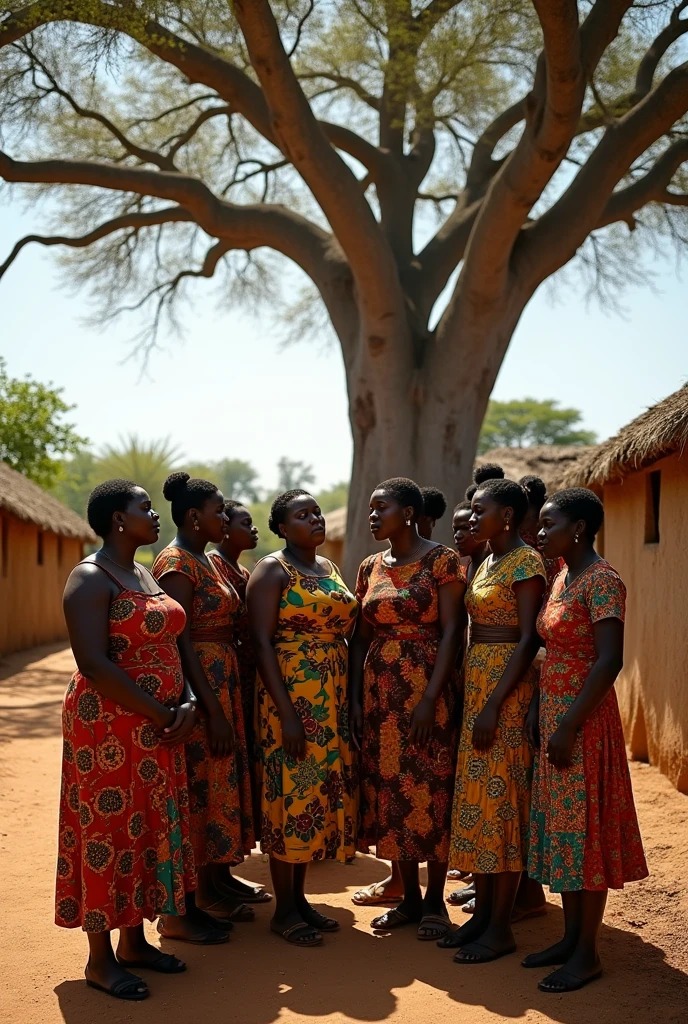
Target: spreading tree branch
column 653, row 187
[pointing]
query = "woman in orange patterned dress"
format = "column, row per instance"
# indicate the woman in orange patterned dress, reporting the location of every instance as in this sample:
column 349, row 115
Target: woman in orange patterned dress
column 124, row 849
column 493, row 776
column 403, row 671
column 216, row 756
column 584, row 836
column 241, row 535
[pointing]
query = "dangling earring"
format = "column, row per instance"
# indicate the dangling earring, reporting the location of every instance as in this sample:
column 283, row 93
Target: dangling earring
column 196, row 526
column 575, row 539
column 506, row 526
column 408, row 522
column 121, row 529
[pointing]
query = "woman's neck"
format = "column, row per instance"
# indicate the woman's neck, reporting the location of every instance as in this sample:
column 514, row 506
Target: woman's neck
column 405, row 542
column 120, row 551
column 505, row 542
column 307, row 556
column 193, row 541
column 479, row 555
column 579, row 558
column 230, row 553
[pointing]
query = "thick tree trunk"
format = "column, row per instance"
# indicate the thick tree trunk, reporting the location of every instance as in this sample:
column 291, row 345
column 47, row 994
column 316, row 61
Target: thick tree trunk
column 424, row 423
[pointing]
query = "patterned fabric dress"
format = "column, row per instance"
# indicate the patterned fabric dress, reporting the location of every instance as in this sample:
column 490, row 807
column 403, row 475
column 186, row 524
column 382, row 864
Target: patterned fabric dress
column 309, row 807
column 492, row 797
column 124, row 847
column 584, row 829
column 406, row 790
column 553, row 566
column 219, row 787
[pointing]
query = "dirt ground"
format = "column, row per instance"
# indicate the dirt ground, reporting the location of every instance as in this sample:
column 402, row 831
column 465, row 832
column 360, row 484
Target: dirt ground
column 355, row 976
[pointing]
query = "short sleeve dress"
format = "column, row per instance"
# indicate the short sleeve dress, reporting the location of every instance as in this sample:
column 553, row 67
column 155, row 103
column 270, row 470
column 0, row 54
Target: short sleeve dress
column 492, row 797
column 219, row 787
column 406, row 790
column 309, row 807
column 584, row 828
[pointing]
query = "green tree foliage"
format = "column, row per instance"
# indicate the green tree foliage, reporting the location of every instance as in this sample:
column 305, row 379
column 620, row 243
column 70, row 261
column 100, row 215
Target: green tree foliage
column 525, row 422
column 236, row 479
column 33, row 436
column 335, row 497
column 293, row 474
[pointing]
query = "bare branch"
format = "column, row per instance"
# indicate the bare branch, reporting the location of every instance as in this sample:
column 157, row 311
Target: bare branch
column 333, row 184
column 652, row 187
column 341, row 82
column 648, row 66
column 179, row 141
column 169, row 215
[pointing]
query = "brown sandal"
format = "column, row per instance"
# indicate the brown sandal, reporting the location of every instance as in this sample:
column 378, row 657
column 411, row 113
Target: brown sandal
column 311, row 937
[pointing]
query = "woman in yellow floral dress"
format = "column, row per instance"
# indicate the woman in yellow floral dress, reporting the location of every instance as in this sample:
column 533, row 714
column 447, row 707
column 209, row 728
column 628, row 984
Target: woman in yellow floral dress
column 494, row 769
column 301, row 614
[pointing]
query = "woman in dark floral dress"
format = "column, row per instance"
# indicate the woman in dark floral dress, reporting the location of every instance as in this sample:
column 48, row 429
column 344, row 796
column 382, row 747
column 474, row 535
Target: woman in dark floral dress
column 403, row 671
column 301, row 614
column 216, row 755
column 124, row 848
column 585, row 838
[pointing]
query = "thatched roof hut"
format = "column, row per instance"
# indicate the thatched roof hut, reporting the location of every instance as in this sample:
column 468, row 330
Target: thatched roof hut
column 551, row 462
column 27, row 501
column 656, row 433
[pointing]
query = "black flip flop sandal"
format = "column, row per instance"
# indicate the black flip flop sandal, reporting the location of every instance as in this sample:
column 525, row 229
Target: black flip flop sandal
column 440, row 924
column 480, row 958
column 240, row 914
column 393, row 919
column 127, row 990
column 165, row 963
column 320, row 922
column 289, row 934
column 461, row 896
column 571, row 984
column 211, row 937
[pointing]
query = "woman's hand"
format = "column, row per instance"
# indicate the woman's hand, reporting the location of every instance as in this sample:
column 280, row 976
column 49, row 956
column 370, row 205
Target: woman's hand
column 356, row 724
column 163, row 718
column 293, row 736
column 422, row 722
column 533, row 723
column 560, row 746
column 485, row 727
column 220, row 734
column 182, row 726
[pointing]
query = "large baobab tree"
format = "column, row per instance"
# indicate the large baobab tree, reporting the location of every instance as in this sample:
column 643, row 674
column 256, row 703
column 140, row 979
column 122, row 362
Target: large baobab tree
column 332, row 132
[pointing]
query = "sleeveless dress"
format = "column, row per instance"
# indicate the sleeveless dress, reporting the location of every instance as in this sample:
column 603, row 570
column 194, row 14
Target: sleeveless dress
column 406, row 791
column 584, row 828
column 219, row 787
column 309, row 807
column 124, row 847
column 246, row 659
column 491, row 812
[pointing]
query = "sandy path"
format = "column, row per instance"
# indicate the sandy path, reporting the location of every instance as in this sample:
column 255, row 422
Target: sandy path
column 258, row 979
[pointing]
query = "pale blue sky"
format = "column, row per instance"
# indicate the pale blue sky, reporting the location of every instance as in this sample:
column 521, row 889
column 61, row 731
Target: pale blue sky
column 610, row 368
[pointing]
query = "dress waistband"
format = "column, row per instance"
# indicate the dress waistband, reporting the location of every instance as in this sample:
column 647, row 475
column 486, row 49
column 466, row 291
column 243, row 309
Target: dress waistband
column 482, row 634
column 293, row 636
column 420, row 631
column 212, row 635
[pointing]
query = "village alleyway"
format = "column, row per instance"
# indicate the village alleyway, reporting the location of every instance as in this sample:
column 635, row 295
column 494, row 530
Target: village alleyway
column 258, row 979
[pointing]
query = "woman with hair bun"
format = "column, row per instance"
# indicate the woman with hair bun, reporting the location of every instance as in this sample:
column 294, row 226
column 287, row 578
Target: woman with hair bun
column 216, row 755
column 301, row 614
column 403, row 682
column 481, row 474
column 584, row 838
column 493, row 774
column 124, row 849
column 536, row 489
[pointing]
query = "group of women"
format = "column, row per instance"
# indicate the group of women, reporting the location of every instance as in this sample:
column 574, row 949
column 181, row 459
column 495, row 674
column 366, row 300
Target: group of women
column 211, row 710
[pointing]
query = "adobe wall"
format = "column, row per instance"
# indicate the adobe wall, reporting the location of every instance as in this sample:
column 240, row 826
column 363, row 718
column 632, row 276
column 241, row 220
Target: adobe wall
column 653, row 687
column 31, row 594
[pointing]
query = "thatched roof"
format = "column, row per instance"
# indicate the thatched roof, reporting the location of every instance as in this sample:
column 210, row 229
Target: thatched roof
column 658, row 432
column 26, row 500
column 548, row 461
column 335, row 524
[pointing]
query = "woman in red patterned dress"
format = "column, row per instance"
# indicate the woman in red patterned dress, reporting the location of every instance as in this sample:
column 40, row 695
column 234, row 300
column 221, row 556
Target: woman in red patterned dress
column 584, row 836
column 241, row 535
column 124, row 849
column 216, row 756
column 403, row 665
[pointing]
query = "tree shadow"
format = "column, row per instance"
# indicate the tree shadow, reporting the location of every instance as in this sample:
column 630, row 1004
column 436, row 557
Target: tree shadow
column 259, row 978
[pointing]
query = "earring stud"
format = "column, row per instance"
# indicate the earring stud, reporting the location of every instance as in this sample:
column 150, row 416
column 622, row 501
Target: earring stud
column 121, row 529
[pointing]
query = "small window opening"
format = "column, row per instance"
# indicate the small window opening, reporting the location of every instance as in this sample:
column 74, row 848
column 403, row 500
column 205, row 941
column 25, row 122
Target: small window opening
column 4, row 547
column 39, row 549
column 653, row 487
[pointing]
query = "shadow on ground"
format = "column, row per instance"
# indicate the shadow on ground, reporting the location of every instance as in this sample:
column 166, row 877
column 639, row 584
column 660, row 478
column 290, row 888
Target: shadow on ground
column 259, row 979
